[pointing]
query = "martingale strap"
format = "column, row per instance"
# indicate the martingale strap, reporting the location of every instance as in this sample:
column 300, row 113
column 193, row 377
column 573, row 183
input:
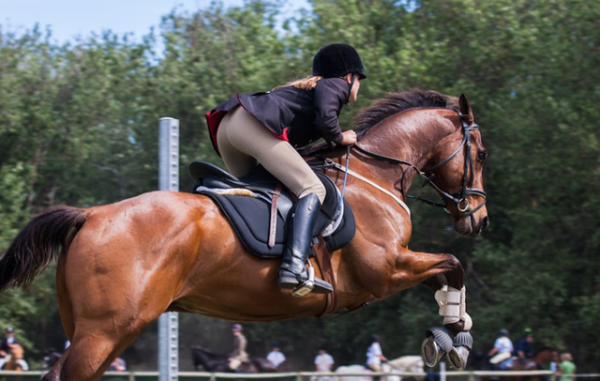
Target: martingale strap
column 362, row 178
column 323, row 257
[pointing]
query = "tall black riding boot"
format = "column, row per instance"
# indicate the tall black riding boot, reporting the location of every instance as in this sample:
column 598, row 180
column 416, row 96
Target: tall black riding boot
column 293, row 273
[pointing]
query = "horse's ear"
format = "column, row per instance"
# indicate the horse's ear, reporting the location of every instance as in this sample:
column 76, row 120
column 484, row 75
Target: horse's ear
column 465, row 108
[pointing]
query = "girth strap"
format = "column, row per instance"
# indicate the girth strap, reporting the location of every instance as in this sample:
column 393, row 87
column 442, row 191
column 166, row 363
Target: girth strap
column 323, row 257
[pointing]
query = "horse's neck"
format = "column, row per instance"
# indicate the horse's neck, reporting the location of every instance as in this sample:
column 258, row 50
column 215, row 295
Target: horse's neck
column 208, row 359
column 411, row 136
column 17, row 353
column 541, row 357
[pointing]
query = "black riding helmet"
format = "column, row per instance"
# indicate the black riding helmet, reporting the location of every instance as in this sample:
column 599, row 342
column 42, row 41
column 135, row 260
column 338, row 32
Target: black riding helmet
column 337, row 60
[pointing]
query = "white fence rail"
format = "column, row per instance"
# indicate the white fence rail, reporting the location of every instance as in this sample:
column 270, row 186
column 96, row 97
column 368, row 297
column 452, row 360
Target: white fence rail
column 297, row 376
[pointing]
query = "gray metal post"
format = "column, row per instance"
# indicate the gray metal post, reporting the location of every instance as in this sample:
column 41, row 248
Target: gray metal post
column 168, row 179
column 442, row 371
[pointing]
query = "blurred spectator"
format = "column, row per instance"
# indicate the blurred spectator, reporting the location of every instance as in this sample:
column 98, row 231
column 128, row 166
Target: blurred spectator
column 375, row 355
column 502, row 351
column 275, row 356
column 8, row 340
column 324, row 362
column 118, row 365
column 238, row 355
column 566, row 369
column 523, row 348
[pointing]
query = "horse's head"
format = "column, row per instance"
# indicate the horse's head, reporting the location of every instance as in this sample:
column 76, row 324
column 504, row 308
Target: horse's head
column 456, row 173
column 445, row 150
column 545, row 355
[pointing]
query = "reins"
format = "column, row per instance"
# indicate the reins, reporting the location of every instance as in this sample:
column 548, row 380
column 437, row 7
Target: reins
column 345, row 177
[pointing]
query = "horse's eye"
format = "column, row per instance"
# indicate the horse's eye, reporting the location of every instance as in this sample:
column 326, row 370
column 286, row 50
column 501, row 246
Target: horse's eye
column 481, row 155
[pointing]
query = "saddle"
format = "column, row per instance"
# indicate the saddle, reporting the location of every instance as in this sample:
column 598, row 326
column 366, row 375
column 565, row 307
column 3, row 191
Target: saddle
column 257, row 207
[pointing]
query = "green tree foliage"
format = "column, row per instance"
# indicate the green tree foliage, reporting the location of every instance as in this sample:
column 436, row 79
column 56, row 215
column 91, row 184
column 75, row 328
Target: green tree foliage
column 78, row 126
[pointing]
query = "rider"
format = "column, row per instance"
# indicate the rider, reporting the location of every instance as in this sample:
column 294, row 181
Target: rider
column 502, row 351
column 323, row 362
column 275, row 356
column 523, row 347
column 6, row 350
column 238, row 355
column 375, row 355
column 9, row 340
column 270, row 125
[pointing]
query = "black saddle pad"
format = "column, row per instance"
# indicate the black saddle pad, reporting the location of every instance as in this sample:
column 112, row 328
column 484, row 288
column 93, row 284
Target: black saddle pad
column 250, row 216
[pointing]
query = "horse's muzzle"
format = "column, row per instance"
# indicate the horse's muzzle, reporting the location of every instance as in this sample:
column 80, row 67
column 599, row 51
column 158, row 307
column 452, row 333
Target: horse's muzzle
column 473, row 225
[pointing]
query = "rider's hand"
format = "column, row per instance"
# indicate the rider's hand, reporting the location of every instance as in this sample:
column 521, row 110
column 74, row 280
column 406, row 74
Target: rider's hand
column 349, row 138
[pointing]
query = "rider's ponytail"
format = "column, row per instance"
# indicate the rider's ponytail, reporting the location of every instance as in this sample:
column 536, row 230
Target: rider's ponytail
column 307, row 83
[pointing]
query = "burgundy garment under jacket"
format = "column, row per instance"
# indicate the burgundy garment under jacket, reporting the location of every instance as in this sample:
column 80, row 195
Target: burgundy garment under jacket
column 297, row 116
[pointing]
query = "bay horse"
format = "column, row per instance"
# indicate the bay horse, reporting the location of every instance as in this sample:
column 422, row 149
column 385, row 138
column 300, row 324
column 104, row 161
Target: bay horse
column 536, row 361
column 120, row 266
column 212, row 362
column 540, row 358
column 15, row 360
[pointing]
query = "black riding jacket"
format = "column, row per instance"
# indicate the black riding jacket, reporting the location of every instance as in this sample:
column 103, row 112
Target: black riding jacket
column 5, row 342
column 297, row 116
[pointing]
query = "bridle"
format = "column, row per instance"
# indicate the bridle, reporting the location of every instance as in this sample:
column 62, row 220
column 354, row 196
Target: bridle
column 459, row 198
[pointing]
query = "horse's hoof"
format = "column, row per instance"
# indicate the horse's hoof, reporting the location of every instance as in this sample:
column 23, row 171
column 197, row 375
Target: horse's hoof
column 457, row 357
column 438, row 343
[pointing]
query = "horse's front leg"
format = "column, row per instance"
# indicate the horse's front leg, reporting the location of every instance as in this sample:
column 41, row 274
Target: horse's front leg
column 443, row 273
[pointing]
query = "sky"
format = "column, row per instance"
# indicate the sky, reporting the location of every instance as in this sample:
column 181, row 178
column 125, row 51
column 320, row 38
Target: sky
column 70, row 18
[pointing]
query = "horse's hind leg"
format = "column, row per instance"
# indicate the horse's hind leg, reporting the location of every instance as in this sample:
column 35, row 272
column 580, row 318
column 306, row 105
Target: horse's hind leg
column 66, row 317
column 106, row 311
column 94, row 346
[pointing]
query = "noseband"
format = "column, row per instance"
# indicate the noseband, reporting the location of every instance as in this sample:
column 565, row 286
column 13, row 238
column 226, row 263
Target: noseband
column 459, row 198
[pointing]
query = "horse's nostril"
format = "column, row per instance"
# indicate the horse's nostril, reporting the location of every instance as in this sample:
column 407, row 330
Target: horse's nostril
column 485, row 223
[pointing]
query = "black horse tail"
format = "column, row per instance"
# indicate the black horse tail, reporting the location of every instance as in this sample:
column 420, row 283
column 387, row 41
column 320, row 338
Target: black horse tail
column 40, row 241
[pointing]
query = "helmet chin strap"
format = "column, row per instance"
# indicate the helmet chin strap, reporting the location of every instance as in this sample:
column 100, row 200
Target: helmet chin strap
column 350, row 85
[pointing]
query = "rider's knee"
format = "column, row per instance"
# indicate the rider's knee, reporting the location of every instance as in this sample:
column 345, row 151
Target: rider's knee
column 318, row 189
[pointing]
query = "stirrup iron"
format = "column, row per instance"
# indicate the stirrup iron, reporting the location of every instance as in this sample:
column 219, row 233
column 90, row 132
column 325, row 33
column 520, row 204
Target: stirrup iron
column 307, row 286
